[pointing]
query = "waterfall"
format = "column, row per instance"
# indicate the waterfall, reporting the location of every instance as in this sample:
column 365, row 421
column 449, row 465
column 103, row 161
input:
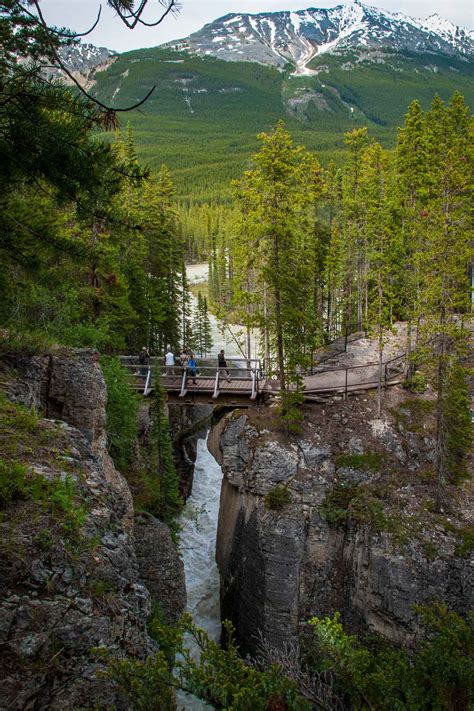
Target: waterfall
column 198, row 550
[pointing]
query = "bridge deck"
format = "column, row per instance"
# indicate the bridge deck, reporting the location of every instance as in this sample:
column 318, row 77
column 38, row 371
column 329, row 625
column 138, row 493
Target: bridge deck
column 246, row 385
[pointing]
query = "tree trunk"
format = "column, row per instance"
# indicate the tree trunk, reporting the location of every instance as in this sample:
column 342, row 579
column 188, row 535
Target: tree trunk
column 439, row 449
column 278, row 317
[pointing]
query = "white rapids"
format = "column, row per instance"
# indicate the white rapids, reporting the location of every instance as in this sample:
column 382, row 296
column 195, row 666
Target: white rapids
column 198, row 550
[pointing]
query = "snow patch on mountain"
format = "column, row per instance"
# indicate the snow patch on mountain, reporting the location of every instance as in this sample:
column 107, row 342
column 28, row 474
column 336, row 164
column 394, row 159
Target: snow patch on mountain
column 296, row 37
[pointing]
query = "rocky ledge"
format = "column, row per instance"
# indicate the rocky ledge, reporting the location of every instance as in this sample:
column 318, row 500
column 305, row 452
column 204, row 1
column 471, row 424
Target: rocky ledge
column 340, row 517
column 78, row 574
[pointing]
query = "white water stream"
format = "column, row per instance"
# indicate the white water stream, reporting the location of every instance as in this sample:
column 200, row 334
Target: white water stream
column 198, row 274
column 198, row 550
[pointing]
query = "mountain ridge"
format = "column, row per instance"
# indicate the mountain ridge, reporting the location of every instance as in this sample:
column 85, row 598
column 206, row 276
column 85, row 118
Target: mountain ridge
column 297, row 37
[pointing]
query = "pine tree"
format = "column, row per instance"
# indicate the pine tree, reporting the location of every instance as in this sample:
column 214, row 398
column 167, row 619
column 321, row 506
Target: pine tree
column 444, row 259
column 206, row 328
column 380, row 255
column 272, row 199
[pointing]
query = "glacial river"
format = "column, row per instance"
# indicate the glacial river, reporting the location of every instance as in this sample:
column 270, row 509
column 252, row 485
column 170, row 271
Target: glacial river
column 198, row 550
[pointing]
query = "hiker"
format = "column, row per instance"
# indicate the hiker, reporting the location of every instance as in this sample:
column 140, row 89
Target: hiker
column 184, row 358
column 222, row 364
column 169, row 362
column 144, row 360
column 192, row 368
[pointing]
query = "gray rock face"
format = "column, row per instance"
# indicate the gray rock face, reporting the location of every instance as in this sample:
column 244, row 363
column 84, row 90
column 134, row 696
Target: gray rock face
column 186, row 426
column 280, row 567
column 66, row 385
column 161, row 570
column 70, row 593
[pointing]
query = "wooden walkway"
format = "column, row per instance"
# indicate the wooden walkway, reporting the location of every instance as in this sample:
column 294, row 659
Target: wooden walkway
column 245, row 382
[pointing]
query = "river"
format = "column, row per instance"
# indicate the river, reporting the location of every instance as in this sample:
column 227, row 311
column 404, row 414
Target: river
column 198, row 274
column 198, row 550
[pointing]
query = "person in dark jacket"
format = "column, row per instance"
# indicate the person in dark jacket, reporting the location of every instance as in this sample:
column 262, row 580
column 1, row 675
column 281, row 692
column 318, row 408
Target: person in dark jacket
column 144, row 360
column 222, row 364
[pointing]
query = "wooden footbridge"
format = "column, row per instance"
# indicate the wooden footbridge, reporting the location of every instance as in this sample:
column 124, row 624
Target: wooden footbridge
column 247, row 382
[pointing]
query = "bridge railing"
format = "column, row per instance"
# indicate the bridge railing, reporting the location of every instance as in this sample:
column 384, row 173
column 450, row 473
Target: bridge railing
column 142, row 376
column 359, row 377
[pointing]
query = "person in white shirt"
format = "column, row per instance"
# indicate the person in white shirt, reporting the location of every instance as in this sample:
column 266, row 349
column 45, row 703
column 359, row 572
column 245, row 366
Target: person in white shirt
column 169, row 362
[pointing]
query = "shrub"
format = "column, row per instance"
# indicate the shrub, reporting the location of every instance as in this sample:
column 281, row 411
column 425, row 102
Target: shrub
column 351, row 502
column 416, row 384
column 371, row 461
column 220, row 677
column 14, row 483
column 122, row 408
column 278, row 498
column 436, row 675
column 289, row 411
column 466, row 546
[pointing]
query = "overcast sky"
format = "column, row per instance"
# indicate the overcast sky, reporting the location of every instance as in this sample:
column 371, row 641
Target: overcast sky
column 80, row 14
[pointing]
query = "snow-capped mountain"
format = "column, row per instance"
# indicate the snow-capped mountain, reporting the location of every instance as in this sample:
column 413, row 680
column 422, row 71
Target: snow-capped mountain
column 279, row 38
column 85, row 57
column 82, row 60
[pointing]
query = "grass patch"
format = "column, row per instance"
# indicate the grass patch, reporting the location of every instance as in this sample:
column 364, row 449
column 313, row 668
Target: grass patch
column 369, row 461
column 278, row 498
column 14, row 483
column 466, row 539
column 466, row 546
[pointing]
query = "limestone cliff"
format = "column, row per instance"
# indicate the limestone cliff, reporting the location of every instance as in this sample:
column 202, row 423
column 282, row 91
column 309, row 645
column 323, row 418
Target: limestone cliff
column 355, row 531
column 74, row 560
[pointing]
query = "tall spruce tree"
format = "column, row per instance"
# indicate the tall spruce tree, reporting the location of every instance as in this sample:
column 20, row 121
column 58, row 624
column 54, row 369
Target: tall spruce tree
column 272, row 199
column 444, row 260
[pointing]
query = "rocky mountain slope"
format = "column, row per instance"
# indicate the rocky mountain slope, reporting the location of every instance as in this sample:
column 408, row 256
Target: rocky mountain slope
column 279, row 38
column 83, row 60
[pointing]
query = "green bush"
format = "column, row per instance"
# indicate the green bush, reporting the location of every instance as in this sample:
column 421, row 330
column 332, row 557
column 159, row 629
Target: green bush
column 278, row 498
column 289, row 411
column 352, row 502
column 466, row 546
column 14, row 483
column 371, row 461
column 221, row 677
column 122, row 408
column 437, row 675
column 416, row 384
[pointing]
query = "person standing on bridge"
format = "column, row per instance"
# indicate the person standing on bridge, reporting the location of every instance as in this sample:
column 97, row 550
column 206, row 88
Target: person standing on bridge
column 144, row 360
column 184, row 358
column 192, row 368
column 222, row 364
column 169, row 362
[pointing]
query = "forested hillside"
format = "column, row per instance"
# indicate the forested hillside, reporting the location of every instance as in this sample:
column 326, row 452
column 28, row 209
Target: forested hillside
column 204, row 115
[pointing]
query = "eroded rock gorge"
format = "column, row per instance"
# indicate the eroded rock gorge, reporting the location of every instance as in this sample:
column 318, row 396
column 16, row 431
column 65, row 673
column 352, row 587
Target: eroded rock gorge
column 359, row 534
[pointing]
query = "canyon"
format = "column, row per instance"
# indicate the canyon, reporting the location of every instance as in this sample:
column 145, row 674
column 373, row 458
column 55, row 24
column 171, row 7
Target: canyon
column 355, row 532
